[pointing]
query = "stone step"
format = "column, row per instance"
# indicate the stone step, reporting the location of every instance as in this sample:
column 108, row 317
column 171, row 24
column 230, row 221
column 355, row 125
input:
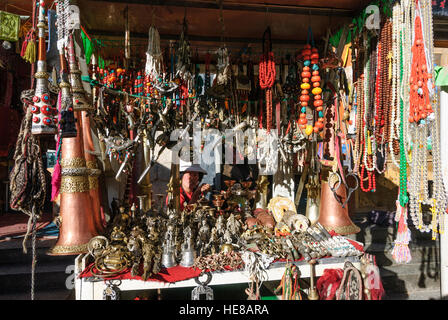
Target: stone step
column 15, row 267
column 415, row 295
column 12, row 256
column 43, row 281
column 372, row 233
column 418, row 257
column 11, row 252
column 407, row 280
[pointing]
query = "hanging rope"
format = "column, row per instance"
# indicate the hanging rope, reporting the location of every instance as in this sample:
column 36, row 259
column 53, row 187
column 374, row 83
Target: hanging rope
column 28, row 185
column 34, row 259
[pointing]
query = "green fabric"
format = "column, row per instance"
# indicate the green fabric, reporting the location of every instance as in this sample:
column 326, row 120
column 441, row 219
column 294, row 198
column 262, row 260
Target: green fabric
column 9, row 26
column 88, row 47
column 441, row 75
column 100, row 62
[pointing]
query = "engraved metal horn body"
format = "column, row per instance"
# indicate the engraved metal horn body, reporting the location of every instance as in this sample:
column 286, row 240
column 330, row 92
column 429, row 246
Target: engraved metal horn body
column 93, row 172
column 44, row 114
column 80, row 100
column 67, row 123
column 331, row 213
column 77, row 225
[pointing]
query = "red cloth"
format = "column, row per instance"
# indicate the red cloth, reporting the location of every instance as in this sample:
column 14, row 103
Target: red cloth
column 174, row 274
column 184, row 197
column 328, row 283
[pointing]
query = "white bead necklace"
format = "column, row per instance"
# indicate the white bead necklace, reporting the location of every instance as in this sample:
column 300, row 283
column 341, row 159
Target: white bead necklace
column 418, row 186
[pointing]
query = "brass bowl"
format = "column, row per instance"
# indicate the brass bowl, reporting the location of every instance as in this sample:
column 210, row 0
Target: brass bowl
column 218, row 196
column 218, row 203
column 246, row 184
column 230, row 183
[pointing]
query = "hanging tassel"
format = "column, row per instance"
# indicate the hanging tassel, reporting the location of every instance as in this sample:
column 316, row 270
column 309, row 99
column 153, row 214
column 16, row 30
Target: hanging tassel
column 30, row 52
column 401, row 252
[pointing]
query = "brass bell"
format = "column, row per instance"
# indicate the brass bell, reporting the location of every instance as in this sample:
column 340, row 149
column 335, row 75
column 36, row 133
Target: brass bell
column 168, row 259
column 188, row 256
column 188, row 253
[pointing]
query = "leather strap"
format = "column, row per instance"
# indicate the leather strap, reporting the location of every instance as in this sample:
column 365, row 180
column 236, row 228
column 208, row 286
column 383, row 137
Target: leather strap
column 346, row 290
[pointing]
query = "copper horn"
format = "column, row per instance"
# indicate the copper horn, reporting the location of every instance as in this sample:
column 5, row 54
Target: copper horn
column 44, row 112
column 331, row 213
column 77, row 223
column 93, row 172
column 80, row 100
column 92, row 165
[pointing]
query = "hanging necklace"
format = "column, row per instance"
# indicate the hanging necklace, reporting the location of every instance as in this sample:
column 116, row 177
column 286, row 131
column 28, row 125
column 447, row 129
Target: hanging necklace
column 266, row 74
column 394, row 129
column 311, row 58
column 359, row 119
column 420, row 106
column 418, row 189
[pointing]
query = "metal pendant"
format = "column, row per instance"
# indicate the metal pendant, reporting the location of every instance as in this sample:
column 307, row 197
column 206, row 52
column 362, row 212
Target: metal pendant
column 202, row 289
column 111, row 292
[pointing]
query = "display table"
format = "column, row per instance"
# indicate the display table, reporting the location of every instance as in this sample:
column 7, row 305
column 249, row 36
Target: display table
column 92, row 288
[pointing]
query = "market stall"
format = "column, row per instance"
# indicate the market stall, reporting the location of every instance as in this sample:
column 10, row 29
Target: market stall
column 184, row 155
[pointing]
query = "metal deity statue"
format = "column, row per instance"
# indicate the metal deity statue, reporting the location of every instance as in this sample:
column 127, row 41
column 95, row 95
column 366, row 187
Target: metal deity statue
column 44, row 114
